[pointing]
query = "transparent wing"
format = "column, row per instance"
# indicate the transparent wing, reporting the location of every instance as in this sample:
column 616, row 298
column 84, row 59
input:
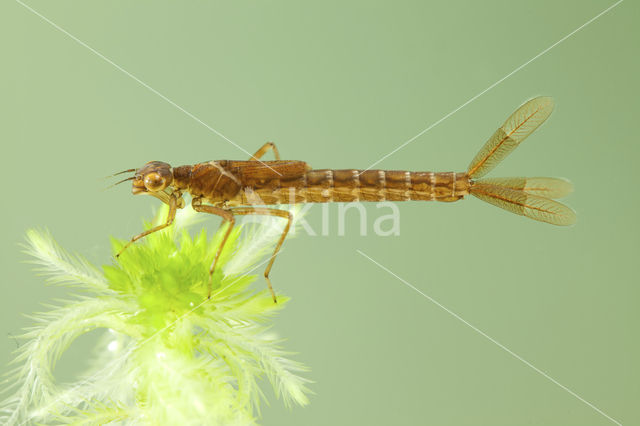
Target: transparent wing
column 519, row 202
column 542, row 186
column 518, row 126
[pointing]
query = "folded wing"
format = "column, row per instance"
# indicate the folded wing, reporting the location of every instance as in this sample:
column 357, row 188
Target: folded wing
column 524, row 203
column 542, row 186
column 518, row 126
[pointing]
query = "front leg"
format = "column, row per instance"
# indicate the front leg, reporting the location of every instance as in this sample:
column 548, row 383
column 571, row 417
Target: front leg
column 263, row 150
column 172, row 200
column 226, row 216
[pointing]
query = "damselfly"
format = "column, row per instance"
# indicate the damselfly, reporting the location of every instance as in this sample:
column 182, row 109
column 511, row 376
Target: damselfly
column 231, row 188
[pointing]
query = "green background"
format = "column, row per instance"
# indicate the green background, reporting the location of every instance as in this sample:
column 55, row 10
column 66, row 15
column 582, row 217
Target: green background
column 340, row 84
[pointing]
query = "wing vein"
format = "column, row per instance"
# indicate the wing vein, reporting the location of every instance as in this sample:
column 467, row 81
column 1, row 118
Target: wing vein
column 499, row 144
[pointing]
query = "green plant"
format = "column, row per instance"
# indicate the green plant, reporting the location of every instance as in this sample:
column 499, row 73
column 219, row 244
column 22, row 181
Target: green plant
column 169, row 355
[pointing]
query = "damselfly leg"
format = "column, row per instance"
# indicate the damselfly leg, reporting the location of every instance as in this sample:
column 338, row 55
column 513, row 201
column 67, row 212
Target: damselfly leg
column 263, row 150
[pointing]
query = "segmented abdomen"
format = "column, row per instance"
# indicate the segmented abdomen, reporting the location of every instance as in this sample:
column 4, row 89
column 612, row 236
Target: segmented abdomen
column 323, row 186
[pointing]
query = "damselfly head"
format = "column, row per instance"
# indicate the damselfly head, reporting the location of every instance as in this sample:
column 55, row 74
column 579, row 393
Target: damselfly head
column 154, row 176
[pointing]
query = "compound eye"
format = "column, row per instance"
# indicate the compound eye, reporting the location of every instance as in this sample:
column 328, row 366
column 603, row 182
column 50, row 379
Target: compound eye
column 154, row 182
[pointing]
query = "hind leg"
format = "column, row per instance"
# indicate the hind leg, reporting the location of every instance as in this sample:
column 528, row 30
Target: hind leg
column 269, row 212
column 263, row 150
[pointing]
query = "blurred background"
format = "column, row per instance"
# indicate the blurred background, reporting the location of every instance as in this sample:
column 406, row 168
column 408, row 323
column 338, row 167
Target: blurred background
column 340, row 85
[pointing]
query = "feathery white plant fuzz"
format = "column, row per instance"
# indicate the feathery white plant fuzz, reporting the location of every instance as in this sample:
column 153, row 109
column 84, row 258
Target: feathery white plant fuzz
column 168, row 355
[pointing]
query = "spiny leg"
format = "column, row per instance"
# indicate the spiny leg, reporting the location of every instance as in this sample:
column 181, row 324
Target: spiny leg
column 269, row 212
column 266, row 147
column 173, row 204
column 226, row 216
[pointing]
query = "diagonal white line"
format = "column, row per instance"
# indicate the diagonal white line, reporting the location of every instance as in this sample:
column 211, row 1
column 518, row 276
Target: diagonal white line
column 100, row 55
column 500, row 345
column 144, row 341
column 494, row 85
